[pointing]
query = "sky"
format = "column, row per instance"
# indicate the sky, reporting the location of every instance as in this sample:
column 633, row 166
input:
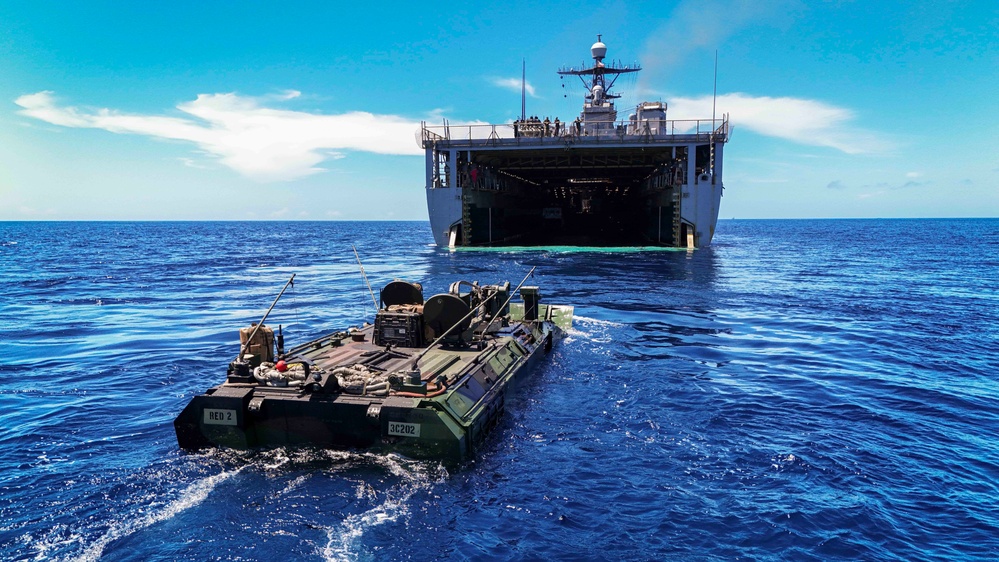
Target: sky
column 310, row 110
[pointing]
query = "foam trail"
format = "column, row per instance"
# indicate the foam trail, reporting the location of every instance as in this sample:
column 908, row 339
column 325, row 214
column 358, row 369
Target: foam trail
column 190, row 497
column 343, row 538
column 590, row 329
column 596, row 321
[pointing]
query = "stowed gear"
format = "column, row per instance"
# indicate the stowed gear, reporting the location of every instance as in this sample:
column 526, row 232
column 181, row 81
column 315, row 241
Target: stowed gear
column 269, row 375
column 361, row 379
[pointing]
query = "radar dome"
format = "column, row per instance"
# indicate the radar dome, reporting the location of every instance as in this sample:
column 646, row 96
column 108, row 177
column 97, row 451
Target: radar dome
column 598, row 50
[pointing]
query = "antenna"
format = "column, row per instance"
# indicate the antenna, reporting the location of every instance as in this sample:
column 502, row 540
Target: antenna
column 714, row 101
column 365, row 277
column 523, row 89
column 256, row 328
column 714, row 95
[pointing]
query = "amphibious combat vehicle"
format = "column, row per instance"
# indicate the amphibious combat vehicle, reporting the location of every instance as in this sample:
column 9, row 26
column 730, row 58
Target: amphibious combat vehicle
column 429, row 379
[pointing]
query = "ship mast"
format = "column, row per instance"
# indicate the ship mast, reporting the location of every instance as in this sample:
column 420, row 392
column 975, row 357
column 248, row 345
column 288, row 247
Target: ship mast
column 595, row 78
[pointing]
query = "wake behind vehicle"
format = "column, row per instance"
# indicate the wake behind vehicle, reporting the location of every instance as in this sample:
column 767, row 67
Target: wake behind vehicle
column 429, row 379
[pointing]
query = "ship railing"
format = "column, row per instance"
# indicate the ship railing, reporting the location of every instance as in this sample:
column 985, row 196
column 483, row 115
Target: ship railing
column 535, row 133
column 429, row 134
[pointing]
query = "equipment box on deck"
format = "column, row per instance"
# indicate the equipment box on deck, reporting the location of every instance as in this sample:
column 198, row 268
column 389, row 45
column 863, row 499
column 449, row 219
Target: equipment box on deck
column 402, row 329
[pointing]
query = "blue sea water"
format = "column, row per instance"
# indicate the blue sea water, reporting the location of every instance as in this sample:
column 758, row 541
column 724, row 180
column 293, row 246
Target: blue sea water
column 802, row 390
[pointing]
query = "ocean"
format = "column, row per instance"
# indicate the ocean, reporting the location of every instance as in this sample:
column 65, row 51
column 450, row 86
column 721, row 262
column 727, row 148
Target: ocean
column 801, row 390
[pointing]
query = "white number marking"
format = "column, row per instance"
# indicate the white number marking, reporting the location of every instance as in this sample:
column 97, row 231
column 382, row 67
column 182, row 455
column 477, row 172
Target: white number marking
column 404, row 429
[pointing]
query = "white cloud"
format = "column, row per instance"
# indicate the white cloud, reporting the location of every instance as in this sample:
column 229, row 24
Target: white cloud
column 190, row 163
column 870, row 195
column 259, row 142
column 705, row 24
column 286, row 95
column 515, row 85
column 800, row 120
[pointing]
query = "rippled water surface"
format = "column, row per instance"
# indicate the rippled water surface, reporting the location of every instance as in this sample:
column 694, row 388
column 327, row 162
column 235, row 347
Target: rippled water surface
column 803, row 390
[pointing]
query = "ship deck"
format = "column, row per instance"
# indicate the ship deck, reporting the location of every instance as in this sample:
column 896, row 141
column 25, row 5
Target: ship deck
column 611, row 184
column 623, row 134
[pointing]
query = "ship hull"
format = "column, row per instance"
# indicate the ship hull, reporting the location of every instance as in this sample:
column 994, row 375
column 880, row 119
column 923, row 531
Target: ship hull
column 629, row 190
column 444, row 208
column 592, row 181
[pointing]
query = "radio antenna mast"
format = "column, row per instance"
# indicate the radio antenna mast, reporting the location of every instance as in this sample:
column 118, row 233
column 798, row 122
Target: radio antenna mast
column 714, row 102
column 365, row 277
column 714, row 95
column 523, row 89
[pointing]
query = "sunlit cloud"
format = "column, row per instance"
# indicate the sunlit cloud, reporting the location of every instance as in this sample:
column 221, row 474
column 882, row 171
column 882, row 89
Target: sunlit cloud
column 803, row 121
column 257, row 141
column 704, row 25
column 284, row 96
column 514, row 84
column 191, row 163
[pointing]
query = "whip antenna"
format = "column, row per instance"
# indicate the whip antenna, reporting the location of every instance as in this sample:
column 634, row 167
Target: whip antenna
column 245, row 346
column 365, row 277
column 714, row 101
column 523, row 90
column 714, row 95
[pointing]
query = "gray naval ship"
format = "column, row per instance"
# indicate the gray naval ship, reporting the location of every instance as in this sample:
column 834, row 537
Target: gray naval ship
column 595, row 180
column 429, row 379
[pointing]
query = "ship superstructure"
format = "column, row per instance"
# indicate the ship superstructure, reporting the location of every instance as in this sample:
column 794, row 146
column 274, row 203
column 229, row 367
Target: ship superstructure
column 595, row 180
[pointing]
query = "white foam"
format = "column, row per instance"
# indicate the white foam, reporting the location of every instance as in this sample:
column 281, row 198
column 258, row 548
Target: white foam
column 591, row 329
column 596, row 321
column 188, row 498
column 343, row 539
